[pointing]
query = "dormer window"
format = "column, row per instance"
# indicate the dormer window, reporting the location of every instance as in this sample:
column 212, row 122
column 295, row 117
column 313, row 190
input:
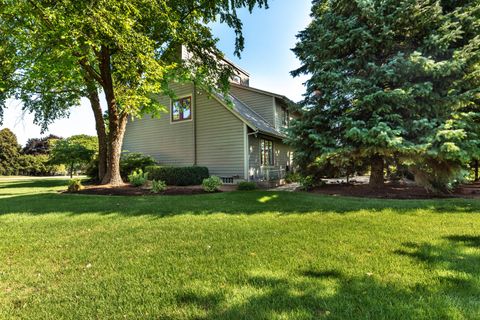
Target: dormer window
column 236, row 79
column 182, row 109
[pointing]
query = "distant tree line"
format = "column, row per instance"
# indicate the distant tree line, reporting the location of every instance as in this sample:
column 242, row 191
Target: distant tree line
column 46, row 156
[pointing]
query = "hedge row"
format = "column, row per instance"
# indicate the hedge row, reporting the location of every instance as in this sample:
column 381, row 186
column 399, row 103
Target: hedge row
column 178, row 176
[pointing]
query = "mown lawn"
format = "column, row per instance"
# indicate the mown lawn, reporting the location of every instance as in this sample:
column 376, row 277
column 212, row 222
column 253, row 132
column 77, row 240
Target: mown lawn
column 240, row 255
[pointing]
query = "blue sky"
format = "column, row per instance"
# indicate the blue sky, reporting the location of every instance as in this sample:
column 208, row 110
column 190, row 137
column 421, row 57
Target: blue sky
column 269, row 36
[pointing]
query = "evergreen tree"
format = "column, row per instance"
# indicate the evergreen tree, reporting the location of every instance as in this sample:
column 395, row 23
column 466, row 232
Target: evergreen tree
column 389, row 79
column 9, row 153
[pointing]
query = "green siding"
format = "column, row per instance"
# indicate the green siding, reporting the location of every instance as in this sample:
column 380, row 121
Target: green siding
column 282, row 156
column 259, row 102
column 220, row 138
column 169, row 144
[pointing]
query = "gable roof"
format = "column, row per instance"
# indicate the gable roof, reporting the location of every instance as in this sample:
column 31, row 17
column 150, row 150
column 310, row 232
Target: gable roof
column 252, row 119
column 275, row 95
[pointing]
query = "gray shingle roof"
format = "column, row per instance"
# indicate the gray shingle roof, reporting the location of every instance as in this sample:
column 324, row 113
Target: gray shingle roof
column 253, row 119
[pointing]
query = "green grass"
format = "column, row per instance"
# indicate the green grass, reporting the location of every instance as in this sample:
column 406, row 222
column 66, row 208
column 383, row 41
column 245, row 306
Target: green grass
column 240, row 255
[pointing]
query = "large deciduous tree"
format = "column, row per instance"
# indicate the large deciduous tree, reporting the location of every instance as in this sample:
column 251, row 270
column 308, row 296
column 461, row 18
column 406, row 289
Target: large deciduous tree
column 127, row 48
column 390, row 79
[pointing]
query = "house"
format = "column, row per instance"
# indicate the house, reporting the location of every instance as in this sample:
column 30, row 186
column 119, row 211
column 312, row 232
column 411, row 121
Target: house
column 240, row 140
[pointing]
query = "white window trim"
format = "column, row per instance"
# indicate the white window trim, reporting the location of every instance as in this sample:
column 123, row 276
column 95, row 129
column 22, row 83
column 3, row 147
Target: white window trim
column 191, row 111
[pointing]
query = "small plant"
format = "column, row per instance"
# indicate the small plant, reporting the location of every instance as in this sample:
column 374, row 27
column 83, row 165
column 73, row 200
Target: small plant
column 246, row 186
column 158, row 186
column 308, row 183
column 138, row 178
column 75, row 185
column 211, row 184
column 292, row 177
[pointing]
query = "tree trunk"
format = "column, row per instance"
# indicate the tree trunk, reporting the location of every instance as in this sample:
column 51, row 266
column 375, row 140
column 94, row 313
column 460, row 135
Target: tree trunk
column 115, row 141
column 100, row 126
column 117, row 122
column 476, row 170
column 376, row 175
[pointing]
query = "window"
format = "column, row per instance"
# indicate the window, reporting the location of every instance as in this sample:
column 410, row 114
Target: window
column 266, row 152
column 236, row 79
column 182, row 109
column 286, row 118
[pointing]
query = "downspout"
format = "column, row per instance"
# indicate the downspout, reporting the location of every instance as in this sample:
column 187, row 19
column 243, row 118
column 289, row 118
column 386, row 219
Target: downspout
column 194, row 124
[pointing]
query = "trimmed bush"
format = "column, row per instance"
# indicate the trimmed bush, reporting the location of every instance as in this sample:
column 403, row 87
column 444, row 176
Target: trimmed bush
column 131, row 161
column 138, row 178
column 178, row 176
column 246, row 186
column 211, row 184
column 74, row 185
column 158, row 186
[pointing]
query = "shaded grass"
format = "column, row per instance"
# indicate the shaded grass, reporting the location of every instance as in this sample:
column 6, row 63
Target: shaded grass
column 240, row 255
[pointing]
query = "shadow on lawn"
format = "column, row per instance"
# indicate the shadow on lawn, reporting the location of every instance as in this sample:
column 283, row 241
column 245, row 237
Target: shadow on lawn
column 34, row 183
column 255, row 202
column 317, row 294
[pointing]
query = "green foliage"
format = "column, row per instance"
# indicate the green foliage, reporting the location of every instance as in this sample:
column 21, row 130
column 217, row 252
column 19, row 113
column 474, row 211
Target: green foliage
column 158, row 186
column 178, row 176
column 38, row 165
column 308, row 183
column 132, row 161
column 292, row 177
column 75, row 185
column 91, row 170
column 36, row 146
column 211, row 184
column 9, row 153
column 75, row 152
column 138, row 178
column 246, row 186
column 390, row 79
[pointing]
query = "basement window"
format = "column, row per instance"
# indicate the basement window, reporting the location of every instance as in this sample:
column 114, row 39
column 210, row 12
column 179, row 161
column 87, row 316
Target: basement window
column 182, row 109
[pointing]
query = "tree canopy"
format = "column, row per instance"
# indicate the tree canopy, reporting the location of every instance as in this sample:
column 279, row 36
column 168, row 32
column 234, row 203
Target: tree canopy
column 74, row 151
column 9, row 152
column 390, row 80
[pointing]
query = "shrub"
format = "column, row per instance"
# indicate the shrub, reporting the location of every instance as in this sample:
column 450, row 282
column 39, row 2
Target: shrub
column 158, row 186
column 138, row 178
column 308, row 183
column 132, row 161
column 246, row 186
column 211, row 184
column 178, row 176
column 292, row 177
column 74, row 185
column 92, row 170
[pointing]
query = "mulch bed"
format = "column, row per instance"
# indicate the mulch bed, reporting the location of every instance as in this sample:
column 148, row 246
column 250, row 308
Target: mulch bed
column 392, row 191
column 129, row 190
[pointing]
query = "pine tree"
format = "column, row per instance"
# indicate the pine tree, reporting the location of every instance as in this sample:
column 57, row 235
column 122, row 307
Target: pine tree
column 389, row 79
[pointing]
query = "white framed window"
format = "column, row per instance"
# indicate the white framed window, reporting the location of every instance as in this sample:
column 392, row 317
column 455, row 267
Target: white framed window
column 285, row 118
column 181, row 109
column 266, row 152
